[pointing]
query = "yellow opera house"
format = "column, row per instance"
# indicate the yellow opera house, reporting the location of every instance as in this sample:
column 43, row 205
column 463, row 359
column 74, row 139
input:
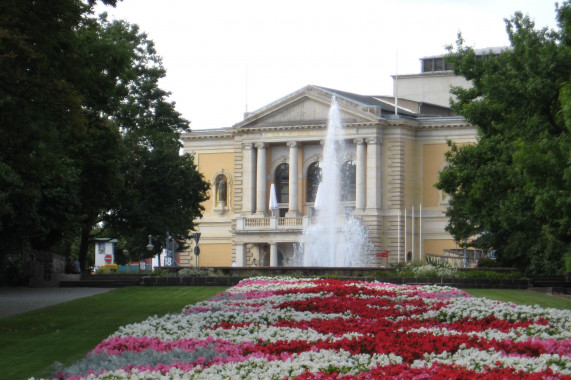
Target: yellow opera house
column 395, row 148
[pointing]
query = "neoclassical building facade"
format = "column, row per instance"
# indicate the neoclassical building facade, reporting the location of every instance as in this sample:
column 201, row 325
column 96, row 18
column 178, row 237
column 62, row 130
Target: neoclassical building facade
column 391, row 165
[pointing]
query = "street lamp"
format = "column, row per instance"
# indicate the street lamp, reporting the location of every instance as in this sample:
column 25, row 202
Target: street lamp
column 150, row 246
column 170, row 246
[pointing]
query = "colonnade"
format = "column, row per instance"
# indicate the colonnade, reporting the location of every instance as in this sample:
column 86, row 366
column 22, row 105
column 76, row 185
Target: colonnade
column 368, row 177
column 254, row 186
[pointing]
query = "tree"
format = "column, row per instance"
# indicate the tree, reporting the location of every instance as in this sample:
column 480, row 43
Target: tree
column 41, row 121
column 86, row 132
column 160, row 189
column 511, row 189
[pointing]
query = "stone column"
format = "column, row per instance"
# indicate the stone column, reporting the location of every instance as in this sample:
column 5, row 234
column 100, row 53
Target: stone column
column 273, row 255
column 240, row 255
column 261, row 180
column 249, row 179
column 293, row 209
column 373, row 176
column 360, row 195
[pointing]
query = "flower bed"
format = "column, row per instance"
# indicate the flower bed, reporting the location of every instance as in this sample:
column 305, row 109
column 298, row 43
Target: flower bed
column 318, row 329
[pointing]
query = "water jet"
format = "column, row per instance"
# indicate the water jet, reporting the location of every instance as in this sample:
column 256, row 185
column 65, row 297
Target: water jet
column 335, row 238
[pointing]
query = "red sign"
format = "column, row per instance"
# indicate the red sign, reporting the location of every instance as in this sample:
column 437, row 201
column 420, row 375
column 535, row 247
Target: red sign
column 108, row 259
column 383, row 254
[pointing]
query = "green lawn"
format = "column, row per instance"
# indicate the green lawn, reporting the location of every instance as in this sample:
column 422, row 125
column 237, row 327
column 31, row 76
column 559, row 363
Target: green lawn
column 31, row 342
column 523, row 297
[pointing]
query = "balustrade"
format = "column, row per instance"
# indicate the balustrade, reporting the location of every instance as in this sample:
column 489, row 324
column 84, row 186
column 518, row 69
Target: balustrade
column 271, row 223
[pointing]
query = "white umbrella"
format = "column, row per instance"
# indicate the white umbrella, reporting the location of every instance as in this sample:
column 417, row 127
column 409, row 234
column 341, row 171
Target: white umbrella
column 273, row 198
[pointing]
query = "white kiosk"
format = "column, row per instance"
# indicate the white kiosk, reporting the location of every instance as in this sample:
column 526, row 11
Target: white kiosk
column 104, row 251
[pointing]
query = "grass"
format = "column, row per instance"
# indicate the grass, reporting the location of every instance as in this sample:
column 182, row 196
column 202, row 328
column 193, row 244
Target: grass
column 32, row 342
column 523, row 297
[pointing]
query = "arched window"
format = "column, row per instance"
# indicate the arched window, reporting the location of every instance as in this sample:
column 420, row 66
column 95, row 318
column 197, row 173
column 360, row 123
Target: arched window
column 313, row 180
column 221, row 189
column 281, row 180
column 348, row 181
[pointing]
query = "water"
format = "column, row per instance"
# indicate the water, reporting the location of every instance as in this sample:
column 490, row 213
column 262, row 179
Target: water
column 337, row 239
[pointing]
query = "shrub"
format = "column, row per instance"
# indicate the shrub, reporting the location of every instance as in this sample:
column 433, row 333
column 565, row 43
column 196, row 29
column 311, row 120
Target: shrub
column 486, row 262
column 430, row 270
column 162, row 273
column 196, row 272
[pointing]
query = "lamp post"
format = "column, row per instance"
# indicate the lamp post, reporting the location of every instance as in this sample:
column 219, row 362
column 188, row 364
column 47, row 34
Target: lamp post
column 170, row 246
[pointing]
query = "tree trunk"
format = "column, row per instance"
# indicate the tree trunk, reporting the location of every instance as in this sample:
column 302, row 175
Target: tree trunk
column 84, row 243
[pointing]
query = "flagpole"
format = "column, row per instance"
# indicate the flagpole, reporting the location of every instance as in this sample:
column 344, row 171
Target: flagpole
column 398, row 236
column 396, row 83
column 405, row 252
column 420, row 231
column 412, row 231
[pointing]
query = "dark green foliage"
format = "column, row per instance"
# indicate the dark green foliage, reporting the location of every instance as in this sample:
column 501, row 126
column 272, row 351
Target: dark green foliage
column 86, row 134
column 510, row 191
column 487, row 263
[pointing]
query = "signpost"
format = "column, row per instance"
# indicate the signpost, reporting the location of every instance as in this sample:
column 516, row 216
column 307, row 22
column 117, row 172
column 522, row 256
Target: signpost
column 384, row 255
column 196, row 237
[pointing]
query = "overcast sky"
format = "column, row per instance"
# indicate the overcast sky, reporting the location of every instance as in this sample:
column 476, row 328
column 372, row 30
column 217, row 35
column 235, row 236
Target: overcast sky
column 228, row 56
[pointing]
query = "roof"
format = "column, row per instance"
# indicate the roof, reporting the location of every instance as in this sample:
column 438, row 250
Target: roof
column 482, row 51
column 367, row 100
column 363, row 107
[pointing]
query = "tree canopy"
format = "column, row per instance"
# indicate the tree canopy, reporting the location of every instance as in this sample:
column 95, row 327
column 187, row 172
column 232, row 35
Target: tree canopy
column 511, row 191
column 87, row 135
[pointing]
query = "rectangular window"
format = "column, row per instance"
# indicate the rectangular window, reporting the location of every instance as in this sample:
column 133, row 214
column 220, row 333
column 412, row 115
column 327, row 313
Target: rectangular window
column 427, row 65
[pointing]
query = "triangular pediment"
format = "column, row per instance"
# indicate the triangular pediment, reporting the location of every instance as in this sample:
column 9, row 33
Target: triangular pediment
column 308, row 106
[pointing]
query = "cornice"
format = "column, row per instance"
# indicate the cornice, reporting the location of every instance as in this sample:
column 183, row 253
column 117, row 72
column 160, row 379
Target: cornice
column 201, row 134
column 414, row 124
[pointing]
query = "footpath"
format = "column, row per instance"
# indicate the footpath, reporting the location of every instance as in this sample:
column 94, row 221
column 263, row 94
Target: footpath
column 17, row 300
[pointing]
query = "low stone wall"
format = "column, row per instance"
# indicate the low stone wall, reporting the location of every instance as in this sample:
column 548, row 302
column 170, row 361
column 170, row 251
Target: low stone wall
column 190, row 281
column 230, row 276
column 455, row 282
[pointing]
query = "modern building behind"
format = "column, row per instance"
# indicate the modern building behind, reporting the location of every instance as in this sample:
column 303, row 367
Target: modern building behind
column 392, row 163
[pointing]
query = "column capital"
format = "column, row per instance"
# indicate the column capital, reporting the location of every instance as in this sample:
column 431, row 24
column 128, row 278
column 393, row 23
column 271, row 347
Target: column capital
column 247, row 146
column 292, row 144
column 374, row 140
column 261, row 145
column 359, row 141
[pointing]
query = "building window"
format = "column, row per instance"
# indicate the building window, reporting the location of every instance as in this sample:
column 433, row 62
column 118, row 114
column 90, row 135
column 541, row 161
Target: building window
column 313, row 180
column 435, row 64
column 348, row 181
column 281, row 181
column 221, row 189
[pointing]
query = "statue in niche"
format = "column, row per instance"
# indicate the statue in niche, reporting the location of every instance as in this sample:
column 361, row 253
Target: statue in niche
column 221, row 189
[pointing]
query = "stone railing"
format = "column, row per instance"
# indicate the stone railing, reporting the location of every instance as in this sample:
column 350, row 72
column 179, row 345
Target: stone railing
column 290, row 222
column 271, row 223
column 256, row 222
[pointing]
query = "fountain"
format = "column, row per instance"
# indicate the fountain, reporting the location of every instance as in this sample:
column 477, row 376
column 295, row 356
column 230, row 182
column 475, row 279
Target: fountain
column 337, row 239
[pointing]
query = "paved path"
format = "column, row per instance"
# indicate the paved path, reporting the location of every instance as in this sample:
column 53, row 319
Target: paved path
column 20, row 299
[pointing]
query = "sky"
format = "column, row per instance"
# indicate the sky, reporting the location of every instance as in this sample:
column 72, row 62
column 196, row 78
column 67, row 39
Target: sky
column 226, row 57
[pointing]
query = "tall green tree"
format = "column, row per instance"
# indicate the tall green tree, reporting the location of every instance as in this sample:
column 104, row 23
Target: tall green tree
column 162, row 189
column 41, row 121
column 87, row 135
column 511, row 190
